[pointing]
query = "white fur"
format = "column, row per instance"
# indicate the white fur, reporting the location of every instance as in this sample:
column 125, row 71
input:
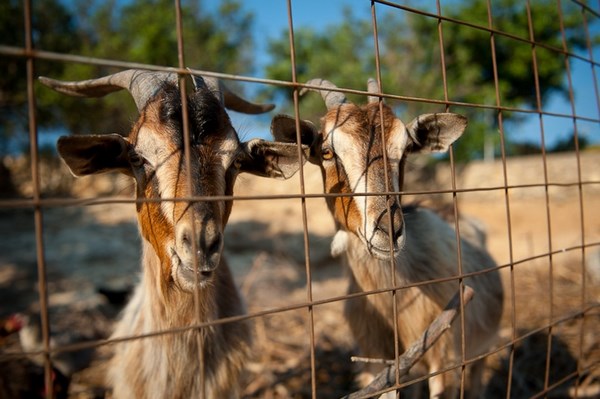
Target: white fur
column 339, row 244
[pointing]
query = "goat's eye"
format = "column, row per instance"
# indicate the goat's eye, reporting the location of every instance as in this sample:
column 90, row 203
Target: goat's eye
column 326, row 153
column 136, row 159
column 237, row 163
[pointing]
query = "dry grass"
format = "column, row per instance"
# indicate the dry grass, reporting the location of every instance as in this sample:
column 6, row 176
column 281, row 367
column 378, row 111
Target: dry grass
column 87, row 248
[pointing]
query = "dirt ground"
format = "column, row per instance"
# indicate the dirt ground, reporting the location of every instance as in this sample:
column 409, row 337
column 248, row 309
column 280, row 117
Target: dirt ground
column 91, row 249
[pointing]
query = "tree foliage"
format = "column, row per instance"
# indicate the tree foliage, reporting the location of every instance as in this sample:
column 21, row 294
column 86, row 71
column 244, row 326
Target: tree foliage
column 142, row 31
column 411, row 60
column 340, row 53
column 469, row 59
column 57, row 33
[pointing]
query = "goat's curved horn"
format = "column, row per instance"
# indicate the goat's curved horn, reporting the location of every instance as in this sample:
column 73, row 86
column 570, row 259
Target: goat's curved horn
column 228, row 98
column 141, row 84
column 332, row 98
column 372, row 87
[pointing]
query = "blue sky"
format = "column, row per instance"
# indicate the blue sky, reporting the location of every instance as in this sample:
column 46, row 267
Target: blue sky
column 271, row 19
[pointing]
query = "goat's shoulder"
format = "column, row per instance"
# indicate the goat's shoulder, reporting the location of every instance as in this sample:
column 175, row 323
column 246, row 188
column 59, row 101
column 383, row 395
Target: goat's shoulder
column 432, row 244
column 425, row 224
column 425, row 227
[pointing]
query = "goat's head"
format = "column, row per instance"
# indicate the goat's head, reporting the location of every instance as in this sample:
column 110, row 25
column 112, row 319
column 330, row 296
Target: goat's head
column 350, row 147
column 154, row 155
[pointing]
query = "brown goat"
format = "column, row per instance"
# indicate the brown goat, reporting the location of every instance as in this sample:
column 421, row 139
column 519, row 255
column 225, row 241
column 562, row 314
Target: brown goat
column 182, row 240
column 387, row 246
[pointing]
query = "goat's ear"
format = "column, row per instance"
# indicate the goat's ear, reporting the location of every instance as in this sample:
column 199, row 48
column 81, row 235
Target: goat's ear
column 272, row 159
column 86, row 155
column 435, row 132
column 283, row 129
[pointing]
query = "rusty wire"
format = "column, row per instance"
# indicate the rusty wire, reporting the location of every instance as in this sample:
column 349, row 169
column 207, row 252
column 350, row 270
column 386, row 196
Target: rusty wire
column 39, row 239
column 38, row 204
column 309, row 296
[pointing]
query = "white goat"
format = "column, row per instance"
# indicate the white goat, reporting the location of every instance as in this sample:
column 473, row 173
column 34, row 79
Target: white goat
column 374, row 231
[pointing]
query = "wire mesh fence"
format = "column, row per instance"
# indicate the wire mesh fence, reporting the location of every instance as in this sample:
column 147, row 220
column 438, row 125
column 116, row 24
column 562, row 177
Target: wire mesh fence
column 73, row 261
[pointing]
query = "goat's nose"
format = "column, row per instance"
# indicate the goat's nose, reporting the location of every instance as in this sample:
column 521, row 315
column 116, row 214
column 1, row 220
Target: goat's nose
column 392, row 224
column 208, row 243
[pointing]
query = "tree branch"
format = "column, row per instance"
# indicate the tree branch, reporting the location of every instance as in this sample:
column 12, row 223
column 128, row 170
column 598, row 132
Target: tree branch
column 387, row 377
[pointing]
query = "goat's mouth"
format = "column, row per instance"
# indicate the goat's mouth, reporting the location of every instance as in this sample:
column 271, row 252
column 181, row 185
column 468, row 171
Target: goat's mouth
column 383, row 253
column 187, row 275
column 379, row 245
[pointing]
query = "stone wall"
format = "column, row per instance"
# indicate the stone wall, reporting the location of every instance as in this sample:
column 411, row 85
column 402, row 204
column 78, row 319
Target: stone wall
column 561, row 170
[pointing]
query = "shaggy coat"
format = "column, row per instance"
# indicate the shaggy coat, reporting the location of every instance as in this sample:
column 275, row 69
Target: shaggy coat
column 361, row 151
column 185, row 282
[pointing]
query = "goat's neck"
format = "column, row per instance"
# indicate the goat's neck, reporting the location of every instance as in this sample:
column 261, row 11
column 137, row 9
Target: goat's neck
column 370, row 272
column 419, row 260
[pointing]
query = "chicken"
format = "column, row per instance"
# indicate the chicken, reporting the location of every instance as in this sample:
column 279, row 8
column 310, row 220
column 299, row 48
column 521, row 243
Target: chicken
column 68, row 362
column 21, row 377
column 9, row 326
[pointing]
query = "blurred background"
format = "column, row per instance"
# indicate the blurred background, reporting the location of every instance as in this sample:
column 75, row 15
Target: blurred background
column 527, row 171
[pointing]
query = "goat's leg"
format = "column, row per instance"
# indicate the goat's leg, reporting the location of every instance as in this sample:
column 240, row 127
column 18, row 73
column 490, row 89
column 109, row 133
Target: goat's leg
column 437, row 385
column 475, row 379
column 373, row 335
column 442, row 386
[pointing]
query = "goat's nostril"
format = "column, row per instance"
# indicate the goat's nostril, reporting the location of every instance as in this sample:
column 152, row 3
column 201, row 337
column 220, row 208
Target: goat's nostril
column 385, row 226
column 395, row 229
column 185, row 239
column 397, row 234
column 384, row 229
column 215, row 246
column 206, row 273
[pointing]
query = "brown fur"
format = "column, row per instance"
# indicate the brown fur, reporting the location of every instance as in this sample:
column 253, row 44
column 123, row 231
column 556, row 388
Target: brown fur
column 204, row 362
column 185, row 283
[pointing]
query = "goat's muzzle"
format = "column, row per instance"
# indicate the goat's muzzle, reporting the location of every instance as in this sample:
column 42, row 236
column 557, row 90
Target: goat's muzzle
column 197, row 252
column 387, row 236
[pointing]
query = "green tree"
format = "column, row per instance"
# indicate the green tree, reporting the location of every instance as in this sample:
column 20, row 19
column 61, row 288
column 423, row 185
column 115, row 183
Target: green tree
column 411, row 60
column 141, row 31
column 57, row 33
column 469, row 66
column 341, row 53
column 144, row 31
column 568, row 144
